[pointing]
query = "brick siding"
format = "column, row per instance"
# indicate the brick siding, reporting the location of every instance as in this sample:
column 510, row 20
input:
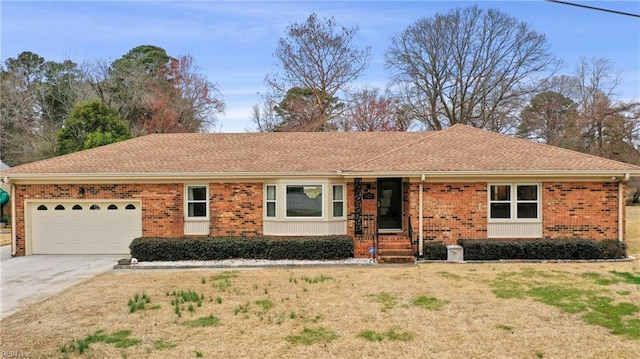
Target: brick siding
column 580, row 210
column 451, row 210
column 236, row 209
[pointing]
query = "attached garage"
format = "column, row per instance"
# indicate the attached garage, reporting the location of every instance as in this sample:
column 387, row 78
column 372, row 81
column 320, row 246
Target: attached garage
column 83, row 227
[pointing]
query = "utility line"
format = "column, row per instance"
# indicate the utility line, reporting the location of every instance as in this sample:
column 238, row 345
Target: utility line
column 595, row 8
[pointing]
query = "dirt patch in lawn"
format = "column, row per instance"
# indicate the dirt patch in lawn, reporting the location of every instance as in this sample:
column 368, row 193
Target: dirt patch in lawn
column 426, row 310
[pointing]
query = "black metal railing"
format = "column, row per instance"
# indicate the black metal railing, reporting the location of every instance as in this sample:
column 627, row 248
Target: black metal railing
column 368, row 233
column 413, row 240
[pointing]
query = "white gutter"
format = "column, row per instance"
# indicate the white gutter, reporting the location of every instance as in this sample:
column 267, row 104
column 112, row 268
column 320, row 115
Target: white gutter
column 420, row 216
column 34, row 178
column 621, row 204
column 168, row 176
column 496, row 173
column 14, row 245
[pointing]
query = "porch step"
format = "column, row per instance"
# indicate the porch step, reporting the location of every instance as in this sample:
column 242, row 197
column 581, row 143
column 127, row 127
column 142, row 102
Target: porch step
column 405, row 244
column 395, row 249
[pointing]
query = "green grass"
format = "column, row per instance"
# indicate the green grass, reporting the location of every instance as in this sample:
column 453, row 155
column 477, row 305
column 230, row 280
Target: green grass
column 319, row 279
column 241, row 309
column 506, row 328
column 180, row 298
column 391, row 334
column 627, row 277
column 224, row 276
column 209, row 321
column 430, row 303
column 599, row 279
column 222, row 280
column 572, row 295
column 265, row 304
column 387, row 300
column 311, row 336
column 119, row 339
column 138, row 302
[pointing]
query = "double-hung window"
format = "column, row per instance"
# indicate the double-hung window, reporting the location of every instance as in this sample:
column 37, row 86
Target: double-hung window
column 304, row 207
column 304, row 200
column 197, row 202
column 338, row 201
column 514, row 202
column 270, row 200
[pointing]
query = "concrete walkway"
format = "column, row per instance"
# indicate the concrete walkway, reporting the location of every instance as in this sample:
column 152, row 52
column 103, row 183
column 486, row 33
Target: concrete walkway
column 31, row 279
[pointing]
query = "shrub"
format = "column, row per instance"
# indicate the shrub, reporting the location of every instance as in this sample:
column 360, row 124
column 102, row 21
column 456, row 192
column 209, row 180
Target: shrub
column 218, row 248
column 570, row 249
column 614, row 249
column 435, row 251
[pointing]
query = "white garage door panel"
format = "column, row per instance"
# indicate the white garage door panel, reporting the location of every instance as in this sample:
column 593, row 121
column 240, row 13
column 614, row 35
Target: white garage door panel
column 84, row 231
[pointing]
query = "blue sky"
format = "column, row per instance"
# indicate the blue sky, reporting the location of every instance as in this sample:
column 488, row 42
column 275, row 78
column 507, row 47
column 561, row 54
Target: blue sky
column 232, row 41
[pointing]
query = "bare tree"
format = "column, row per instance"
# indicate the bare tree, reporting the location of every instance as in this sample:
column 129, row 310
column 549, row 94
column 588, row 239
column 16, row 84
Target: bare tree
column 370, row 109
column 610, row 126
column 182, row 100
column 469, row 66
column 581, row 112
column 318, row 55
column 264, row 116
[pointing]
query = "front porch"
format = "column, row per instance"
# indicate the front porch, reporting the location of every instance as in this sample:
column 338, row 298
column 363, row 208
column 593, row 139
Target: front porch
column 380, row 222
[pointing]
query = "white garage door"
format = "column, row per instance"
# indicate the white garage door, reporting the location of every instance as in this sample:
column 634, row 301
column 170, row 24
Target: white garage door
column 98, row 227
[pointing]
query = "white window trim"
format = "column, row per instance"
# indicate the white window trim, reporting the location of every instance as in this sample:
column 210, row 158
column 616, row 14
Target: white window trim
column 514, row 203
column 186, row 202
column 323, row 208
column 327, row 200
column 333, row 200
column 267, row 200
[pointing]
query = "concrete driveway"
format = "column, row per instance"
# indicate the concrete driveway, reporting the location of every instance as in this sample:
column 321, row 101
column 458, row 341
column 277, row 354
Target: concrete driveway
column 30, row 279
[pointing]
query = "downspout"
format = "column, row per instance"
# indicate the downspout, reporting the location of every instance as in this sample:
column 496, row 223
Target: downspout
column 621, row 207
column 14, row 245
column 420, row 216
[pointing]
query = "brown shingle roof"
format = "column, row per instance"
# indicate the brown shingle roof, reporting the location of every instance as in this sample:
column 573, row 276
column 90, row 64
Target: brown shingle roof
column 457, row 149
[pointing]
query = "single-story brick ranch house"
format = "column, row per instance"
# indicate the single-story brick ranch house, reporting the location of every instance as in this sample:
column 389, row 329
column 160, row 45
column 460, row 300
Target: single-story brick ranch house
column 458, row 183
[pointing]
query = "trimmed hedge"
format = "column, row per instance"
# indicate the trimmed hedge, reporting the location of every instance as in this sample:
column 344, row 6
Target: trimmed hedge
column 568, row 249
column 434, row 251
column 218, row 248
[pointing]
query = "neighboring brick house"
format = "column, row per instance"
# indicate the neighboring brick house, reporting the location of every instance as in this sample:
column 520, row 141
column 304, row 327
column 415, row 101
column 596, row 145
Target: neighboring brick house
column 459, row 183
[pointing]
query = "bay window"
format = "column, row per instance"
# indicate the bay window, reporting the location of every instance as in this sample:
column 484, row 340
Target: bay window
column 270, row 200
column 338, row 201
column 304, row 200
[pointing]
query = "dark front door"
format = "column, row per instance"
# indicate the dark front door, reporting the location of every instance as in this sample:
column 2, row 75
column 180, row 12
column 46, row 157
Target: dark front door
column 390, row 204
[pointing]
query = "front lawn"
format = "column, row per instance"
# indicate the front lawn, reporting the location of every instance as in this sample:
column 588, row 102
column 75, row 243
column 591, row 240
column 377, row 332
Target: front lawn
column 577, row 310
column 487, row 310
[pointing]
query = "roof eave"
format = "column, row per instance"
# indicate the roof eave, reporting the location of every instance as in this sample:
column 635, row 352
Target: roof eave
column 619, row 174
column 191, row 176
column 158, row 177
